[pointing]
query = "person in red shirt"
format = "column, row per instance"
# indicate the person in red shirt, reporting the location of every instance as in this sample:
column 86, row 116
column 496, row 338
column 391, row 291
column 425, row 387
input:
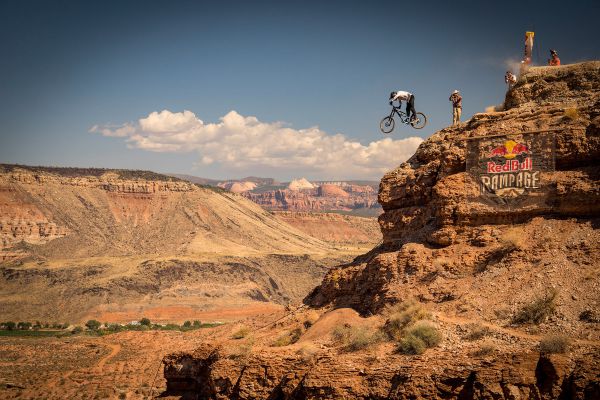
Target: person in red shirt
column 554, row 60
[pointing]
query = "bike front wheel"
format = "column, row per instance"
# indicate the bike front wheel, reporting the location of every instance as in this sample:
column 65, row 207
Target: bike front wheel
column 419, row 122
column 387, row 125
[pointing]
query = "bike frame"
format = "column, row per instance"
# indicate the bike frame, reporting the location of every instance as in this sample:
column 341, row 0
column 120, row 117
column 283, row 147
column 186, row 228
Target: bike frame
column 401, row 114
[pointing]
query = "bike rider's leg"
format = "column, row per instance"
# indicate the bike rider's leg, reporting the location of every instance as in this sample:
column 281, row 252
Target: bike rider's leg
column 410, row 108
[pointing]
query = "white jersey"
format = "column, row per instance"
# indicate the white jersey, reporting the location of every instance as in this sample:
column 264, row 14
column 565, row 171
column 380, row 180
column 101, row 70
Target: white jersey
column 401, row 95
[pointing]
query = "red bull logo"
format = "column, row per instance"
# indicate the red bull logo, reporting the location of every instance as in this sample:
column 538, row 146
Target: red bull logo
column 512, row 176
column 509, row 150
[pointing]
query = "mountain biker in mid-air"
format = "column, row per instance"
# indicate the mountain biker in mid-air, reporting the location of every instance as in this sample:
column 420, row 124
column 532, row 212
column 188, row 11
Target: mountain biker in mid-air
column 409, row 98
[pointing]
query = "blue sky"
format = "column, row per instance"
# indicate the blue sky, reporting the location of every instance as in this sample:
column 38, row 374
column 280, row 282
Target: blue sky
column 68, row 66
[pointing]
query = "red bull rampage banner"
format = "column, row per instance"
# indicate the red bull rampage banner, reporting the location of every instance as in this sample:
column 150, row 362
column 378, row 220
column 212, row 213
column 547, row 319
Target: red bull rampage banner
column 509, row 168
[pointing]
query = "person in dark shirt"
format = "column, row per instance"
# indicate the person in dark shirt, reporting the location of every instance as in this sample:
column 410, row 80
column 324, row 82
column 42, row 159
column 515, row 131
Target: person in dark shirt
column 456, row 100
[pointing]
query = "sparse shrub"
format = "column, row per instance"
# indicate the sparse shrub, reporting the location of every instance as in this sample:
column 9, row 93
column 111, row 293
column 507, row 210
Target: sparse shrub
column 242, row 352
column 427, row 332
column 571, row 113
column 10, row 325
column 485, row 349
column 476, row 332
column 589, row 316
column 24, row 326
column 146, row 322
column 241, row 333
column 354, row 338
column 411, row 345
column 92, row 325
column 402, row 315
column 288, row 338
column 310, row 320
column 77, row 329
column 197, row 324
column 538, row 310
column 187, row 324
column 554, row 344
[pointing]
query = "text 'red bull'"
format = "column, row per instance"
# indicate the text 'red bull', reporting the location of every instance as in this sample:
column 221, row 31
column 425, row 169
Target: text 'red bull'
column 510, row 166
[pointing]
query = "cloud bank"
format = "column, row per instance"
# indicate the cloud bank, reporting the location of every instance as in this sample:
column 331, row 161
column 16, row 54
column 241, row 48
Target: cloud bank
column 239, row 143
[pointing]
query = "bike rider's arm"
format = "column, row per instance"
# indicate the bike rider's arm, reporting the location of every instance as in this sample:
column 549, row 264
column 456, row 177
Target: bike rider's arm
column 396, row 97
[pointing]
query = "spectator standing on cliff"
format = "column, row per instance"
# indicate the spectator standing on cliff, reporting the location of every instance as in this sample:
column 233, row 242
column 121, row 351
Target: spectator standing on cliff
column 409, row 98
column 554, row 61
column 456, row 100
column 510, row 79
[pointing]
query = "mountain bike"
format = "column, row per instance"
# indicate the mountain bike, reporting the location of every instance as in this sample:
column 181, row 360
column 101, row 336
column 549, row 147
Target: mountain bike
column 418, row 121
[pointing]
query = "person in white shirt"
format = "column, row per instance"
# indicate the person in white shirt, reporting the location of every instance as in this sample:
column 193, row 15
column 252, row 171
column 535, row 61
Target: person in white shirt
column 409, row 98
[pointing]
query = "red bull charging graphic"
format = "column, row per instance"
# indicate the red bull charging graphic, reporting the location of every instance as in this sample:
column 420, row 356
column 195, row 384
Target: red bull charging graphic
column 509, row 167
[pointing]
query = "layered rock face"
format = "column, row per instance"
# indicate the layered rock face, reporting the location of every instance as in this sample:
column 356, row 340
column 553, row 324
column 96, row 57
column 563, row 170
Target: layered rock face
column 65, row 213
column 323, row 198
column 210, row 374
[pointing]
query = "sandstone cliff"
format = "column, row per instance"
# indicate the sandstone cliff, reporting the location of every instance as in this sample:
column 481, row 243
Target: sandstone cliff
column 467, row 260
column 70, row 214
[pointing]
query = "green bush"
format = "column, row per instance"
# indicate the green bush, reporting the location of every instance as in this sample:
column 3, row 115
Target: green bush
column 538, row 310
column 554, row 344
column 187, row 324
column 145, row 322
column 402, row 315
column 411, row 345
column 24, row 326
column 10, row 325
column 77, row 329
column 93, row 325
column 427, row 332
column 197, row 324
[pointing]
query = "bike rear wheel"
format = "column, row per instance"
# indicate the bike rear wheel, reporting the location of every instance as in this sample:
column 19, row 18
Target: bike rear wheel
column 387, row 124
column 419, row 122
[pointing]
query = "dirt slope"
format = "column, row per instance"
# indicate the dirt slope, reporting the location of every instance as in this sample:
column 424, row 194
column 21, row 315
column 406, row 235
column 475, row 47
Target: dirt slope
column 334, row 228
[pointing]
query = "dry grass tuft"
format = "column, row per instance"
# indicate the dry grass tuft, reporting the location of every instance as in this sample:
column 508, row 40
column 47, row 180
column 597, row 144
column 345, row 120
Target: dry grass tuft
column 571, row 113
column 552, row 344
column 402, row 315
column 288, row 338
column 538, row 310
column 485, row 349
column 476, row 332
column 241, row 333
column 354, row 338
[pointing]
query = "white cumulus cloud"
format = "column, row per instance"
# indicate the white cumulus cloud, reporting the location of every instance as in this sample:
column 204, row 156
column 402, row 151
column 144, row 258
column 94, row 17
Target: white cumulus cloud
column 241, row 143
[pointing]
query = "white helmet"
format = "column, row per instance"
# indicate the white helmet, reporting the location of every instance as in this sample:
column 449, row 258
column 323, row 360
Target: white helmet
column 455, row 91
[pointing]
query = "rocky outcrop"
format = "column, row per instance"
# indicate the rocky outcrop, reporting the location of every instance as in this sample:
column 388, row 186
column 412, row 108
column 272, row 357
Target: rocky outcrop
column 428, row 209
column 323, row 198
column 209, row 374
